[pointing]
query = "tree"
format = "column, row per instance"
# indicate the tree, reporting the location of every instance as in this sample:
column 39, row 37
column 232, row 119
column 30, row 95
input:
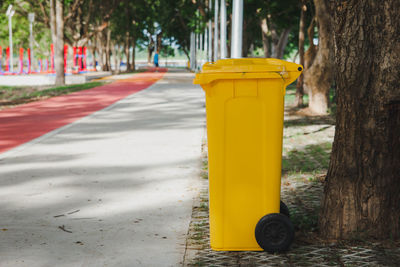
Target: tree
column 276, row 19
column 179, row 19
column 57, row 34
column 59, row 44
column 319, row 77
column 299, row 85
column 362, row 188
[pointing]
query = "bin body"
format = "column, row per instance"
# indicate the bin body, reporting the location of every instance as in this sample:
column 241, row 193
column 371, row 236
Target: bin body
column 244, row 132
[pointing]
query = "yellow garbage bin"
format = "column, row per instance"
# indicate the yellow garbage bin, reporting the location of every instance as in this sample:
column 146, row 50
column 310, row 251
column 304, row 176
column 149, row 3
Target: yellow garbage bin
column 244, row 105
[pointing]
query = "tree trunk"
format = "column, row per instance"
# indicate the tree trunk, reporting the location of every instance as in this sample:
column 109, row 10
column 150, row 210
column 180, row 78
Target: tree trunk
column 362, row 186
column 229, row 30
column 299, row 86
column 53, row 23
column 245, row 42
column 114, row 51
column 264, row 35
column 159, row 42
column 133, row 42
column 279, row 42
column 150, row 49
column 93, row 49
column 100, row 48
column 59, row 44
column 283, row 39
column 120, row 57
column 108, row 50
column 318, row 78
column 311, row 52
column 127, row 46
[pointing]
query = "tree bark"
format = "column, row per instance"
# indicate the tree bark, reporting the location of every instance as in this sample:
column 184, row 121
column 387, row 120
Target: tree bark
column 53, row 23
column 245, row 42
column 318, row 78
column 299, row 86
column 59, row 45
column 133, row 42
column 100, row 48
column 93, row 49
column 283, row 39
column 159, row 42
column 150, row 49
column 279, row 42
column 114, row 51
column 108, row 50
column 127, row 46
column 362, row 185
column 264, row 35
column 311, row 52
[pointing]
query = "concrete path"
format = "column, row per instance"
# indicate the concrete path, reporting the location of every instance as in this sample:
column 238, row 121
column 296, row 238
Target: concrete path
column 112, row 189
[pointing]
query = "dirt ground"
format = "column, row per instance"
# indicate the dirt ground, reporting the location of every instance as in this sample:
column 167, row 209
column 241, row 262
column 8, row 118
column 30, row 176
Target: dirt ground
column 307, row 145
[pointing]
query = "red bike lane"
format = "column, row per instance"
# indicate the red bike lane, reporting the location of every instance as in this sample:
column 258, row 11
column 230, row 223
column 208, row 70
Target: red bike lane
column 24, row 123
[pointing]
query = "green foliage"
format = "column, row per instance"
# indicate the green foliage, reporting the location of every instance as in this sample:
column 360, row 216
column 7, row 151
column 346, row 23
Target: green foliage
column 20, row 29
column 177, row 19
column 143, row 18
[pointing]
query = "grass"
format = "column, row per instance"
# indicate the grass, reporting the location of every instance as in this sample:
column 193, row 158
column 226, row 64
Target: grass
column 305, row 221
column 62, row 90
column 311, row 158
column 14, row 95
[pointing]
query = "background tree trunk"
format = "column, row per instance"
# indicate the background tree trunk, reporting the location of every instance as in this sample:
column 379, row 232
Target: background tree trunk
column 59, row 45
column 245, row 43
column 108, row 50
column 93, row 49
column 150, row 49
column 318, row 78
column 100, row 48
column 159, row 42
column 311, row 52
column 299, row 85
column 53, row 23
column 264, row 35
column 280, row 47
column 126, row 50
column 278, row 41
column 362, row 189
column 133, row 42
column 114, row 51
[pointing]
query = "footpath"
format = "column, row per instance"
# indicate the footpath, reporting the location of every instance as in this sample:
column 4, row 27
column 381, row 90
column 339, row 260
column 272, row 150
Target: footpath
column 102, row 177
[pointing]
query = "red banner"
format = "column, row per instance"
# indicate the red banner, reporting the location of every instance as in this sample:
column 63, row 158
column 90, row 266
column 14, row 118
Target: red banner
column 84, row 57
column 29, row 60
column 52, row 57
column 1, row 56
column 80, row 58
column 65, row 57
column 8, row 59
column 21, row 60
column 74, row 57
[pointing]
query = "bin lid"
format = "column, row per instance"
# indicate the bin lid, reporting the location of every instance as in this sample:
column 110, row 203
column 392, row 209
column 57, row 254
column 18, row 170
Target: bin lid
column 265, row 67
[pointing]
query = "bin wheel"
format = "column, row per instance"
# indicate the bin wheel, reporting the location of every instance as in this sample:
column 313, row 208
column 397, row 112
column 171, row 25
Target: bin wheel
column 284, row 209
column 274, row 232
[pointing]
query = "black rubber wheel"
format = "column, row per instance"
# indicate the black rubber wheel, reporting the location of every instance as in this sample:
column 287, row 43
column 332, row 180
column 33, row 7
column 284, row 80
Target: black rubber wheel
column 284, row 209
column 275, row 232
